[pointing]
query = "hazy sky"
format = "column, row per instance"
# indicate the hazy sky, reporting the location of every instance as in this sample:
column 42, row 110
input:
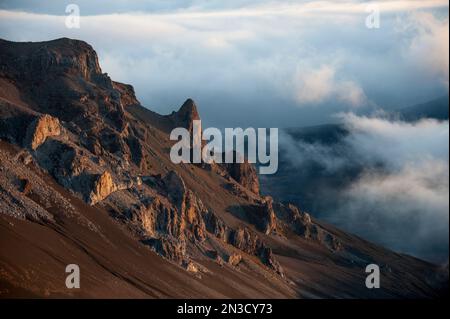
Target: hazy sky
column 256, row 63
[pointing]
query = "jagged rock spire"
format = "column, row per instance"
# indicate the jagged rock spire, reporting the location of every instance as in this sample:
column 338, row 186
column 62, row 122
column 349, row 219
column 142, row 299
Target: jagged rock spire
column 185, row 116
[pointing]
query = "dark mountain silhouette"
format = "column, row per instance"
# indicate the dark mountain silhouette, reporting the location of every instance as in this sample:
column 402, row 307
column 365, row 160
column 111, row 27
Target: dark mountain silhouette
column 435, row 109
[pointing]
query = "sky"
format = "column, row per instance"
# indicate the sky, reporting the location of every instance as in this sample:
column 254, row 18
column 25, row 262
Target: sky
column 256, row 63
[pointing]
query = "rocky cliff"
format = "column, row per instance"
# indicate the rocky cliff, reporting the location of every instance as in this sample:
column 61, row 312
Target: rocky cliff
column 82, row 158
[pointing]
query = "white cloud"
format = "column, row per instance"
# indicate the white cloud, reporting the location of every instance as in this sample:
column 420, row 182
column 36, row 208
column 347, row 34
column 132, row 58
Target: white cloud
column 315, row 85
column 397, row 143
column 387, row 181
column 406, row 209
column 319, row 85
column 430, row 44
column 352, row 93
column 258, row 59
column 404, row 189
column 421, row 187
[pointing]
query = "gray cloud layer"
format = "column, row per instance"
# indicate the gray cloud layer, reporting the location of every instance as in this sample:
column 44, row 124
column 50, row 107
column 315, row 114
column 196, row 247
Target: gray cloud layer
column 257, row 63
column 400, row 196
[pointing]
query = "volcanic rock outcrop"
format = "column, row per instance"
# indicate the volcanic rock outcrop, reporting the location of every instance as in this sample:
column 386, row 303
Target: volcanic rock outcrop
column 127, row 95
column 41, row 128
column 263, row 215
column 245, row 174
column 185, row 116
column 103, row 186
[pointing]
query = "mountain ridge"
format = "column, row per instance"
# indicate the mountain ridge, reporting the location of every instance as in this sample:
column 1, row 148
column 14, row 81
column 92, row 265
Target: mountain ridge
column 85, row 166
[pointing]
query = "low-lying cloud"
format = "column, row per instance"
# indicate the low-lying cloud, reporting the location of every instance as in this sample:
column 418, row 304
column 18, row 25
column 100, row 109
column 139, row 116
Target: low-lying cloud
column 406, row 210
column 386, row 180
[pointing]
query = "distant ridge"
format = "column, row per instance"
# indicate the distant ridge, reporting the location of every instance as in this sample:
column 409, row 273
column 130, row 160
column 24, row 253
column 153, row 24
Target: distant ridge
column 435, row 109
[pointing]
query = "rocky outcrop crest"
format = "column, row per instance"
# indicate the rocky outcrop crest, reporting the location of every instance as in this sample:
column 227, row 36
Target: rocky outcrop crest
column 245, row 174
column 185, row 116
column 61, row 56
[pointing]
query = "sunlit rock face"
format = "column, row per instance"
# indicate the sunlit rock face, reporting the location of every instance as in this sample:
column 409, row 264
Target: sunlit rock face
column 41, row 128
column 103, row 187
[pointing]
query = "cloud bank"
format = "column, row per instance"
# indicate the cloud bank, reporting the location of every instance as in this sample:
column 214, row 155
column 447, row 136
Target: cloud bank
column 257, row 63
column 395, row 185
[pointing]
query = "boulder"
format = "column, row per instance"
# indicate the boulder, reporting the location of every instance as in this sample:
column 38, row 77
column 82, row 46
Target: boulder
column 25, row 186
column 262, row 215
column 234, row 259
column 245, row 240
column 216, row 226
column 191, row 209
column 103, row 187
column 191, row 267
column 269, row 260
column 268, row 220
column 127, row 95
column 169, row 247
column 245, row 174
column 40, row 128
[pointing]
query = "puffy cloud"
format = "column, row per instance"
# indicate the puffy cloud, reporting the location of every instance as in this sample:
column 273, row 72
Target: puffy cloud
column 319, row 85
column 268, row 62
column 396, row 143
column 315, row 85
column 429, row 44
column 405, row 210
column 403, row 203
